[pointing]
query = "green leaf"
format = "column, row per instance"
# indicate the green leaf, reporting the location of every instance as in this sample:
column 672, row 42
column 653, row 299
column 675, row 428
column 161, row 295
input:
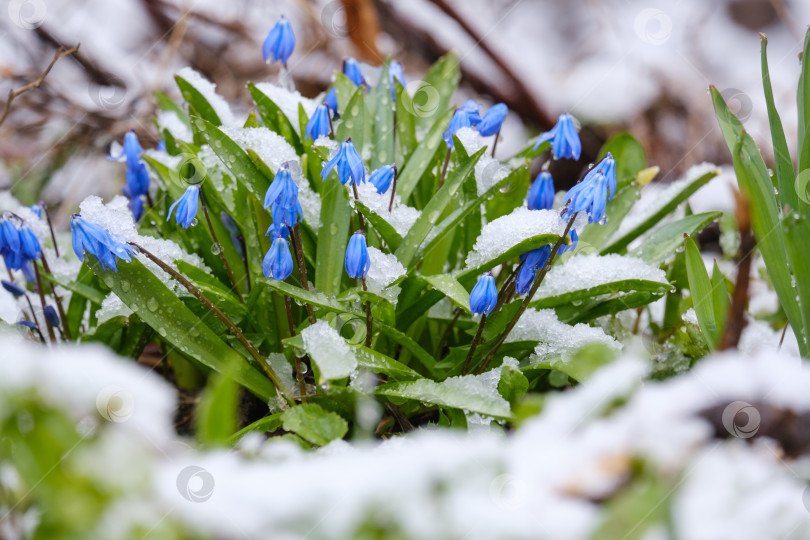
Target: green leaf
column 333, row 236
column 628, row 153
column 386, row 231
column 422, row 157
column 314, row 424
column 612, row 288
column 513, row 384
column 405, row 122
column 377, row 362
column 528, row 244
column 720, row 301
column 148, row 296
column 674, row 197
column 267, row 424
column 275, row 119
column 432, row 96
column 353, row 119
column 803, row 100
column 584, row 363
column 784, row 167
column 433, row 210
column 663, row 242
column 197, row 101
column 217, row 413
column 797, row 232
column 312, row 296
column 701, row 291
column 383, row 124
column 467, row 393
column 596, row 236
column 451, row 288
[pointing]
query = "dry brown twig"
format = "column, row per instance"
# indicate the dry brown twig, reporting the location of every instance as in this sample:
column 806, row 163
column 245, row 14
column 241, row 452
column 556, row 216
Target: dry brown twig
column 13, row 94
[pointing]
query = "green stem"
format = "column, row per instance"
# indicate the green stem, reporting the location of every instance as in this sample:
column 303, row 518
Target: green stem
column 474, row 344
column 302, row 267
column 219, row 249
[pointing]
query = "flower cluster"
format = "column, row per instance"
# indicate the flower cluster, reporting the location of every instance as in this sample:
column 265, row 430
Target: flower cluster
column 18, row 246
column 137, row 186
column 469, row 115
column 94, row 239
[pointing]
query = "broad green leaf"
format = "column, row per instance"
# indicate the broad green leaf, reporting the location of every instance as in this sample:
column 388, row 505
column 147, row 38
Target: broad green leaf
column 77, row 287
column 433, row 210
column 353, row 120
column 528, row 244
column 422, row 157
column 312, row 296
column 467, row 393
column 377, row 362
column 197, row 101
column 344, row 90
column 648, row 216
column 275, row 119
column 700, row 288
column 432, row 96
column 663, row 242
column 450, row 287
column 382, row 152
column 612, row 288
column 333, row 236
column 513, row 384
column 386, row 231
column 614, row 304
column 596, row 236
column 262, row 425
column 628, row 153
column 148, row 296
column 585, row 362
column 314, row 423
column 216, row 414
column 405, row 123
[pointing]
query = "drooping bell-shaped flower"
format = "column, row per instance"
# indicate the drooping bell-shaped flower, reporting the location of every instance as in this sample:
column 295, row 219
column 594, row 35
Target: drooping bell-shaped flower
column 13, row 288
column 279, row 43
column 283, row 190
column 186, row 207
column 283, row 231
column 541, row 192
column 484, row 295
column 351, row 68
column 532, row 262
column 382, row 177
column 136, row 206
column 573, row 245
column 286, row 216
column 318, row 124
column 473, row 110
column 592, row 194
column 492, row 121
column 357, row 261
column 94, row 239
column 461, row 119
column 9, row 237
column 51, row 316
column 29, row 244
column 565, row 143
column 348, row 162
column 278, row 262
column 331, row 101
column 130, row 151
column 137, row 180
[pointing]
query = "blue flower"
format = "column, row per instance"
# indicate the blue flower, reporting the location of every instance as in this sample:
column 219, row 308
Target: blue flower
column 137, row 180
column 573, row 245
column 461, row 119
column 541, row 192
column 186, row 207
column 395, row 72
column 279, row 43
column 136, row 206
column 286, row 216
column 51, row 316
column 382, row 177
column 493, row 120
column 284, row 232
column 283, row 190
column 352, row 70
column 591, row 194
column 13, row 288
column 532, row 262
column 348, row 162
column 28, row 272
column 484, row 295
column 131, row 149
column 95, row 240
column 331, row 101
column 278, row 261
column 357, row 261
column 318, row 124
column 9, row 237
column 37, row 209
column 564, row 138
column 29, row 244
column 473, row 110
column 161, row 147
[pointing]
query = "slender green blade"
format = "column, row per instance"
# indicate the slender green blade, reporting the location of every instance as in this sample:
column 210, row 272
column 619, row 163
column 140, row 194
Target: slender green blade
column 405, row 123
column 611, row 288
column 701, row 290
column 803, row 100
column 465, row 393
column 275, row 119
column 432, row 96
column 422, row 157
column 383, row 125
column 451, row 288
column 797, row 232
column 720, row 301
column 333, row 236
column 664, row 242
column 353, row 120
column 386, row 231
column 197, row 101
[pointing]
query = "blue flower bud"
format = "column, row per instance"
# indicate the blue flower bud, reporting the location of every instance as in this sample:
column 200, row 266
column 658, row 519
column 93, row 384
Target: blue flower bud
column 29, row 244
column 352, row 70
column 279, row 43
column 131, row 149
column 331, row 101
column 532, row 262
column 286, row 216
column 461, row 119
column 357, row 261
column 592, row 193
column 382, row 177
column 94, row 239
column 13, row 288
column 136, row 206
column 564, row 138
column 283, row 190
column 137, row 180
column 37, row 209
column 318, row 125
column 278, row 261
column 541, row 192
column 51, row 316
column 348, row 162
column 9, row 237
column 27, row 324
column 473, row 110
column 573, row 245
column 493, row 120
column 484, row 295
column 186, row 206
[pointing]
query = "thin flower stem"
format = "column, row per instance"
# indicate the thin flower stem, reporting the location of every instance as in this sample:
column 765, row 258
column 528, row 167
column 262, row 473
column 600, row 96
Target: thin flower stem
column 302, row 267
column 50, row 226
column 474, row 344
column 34, row 319
column 331, row 127
column 444, row 170
column 299, row 372
column 393, row 190
column 446, row 333
column 495, row 143
column 538, row 279
column 247, row 267
column 359, row 215
column 57, row 298
column 149, row 200
column 219, row 249
column 507, row 289
column 41, row 292
column 222, row 317
column 368, row 316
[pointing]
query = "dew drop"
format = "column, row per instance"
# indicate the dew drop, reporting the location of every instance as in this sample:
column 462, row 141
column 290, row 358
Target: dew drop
column 333, row 229
column 152, row 304
column 125, row 285
column 194, row 332
column 194, row 222
column 355, row 110
column 216, row 249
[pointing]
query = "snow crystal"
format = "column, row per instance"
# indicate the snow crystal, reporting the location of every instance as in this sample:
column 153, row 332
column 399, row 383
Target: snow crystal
column 556, row 338
column 209, row 92
column 288, row 101
column 488, row 171
column 333, row 356
column 164, row 158
column 401, row 217
column 271, row 147
column 690, row 317
column 385, row 269
column 504, row 233
column 646, row 207
column 586, row 271
column 325, row 142
column 169, row 120
column 112, row 307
